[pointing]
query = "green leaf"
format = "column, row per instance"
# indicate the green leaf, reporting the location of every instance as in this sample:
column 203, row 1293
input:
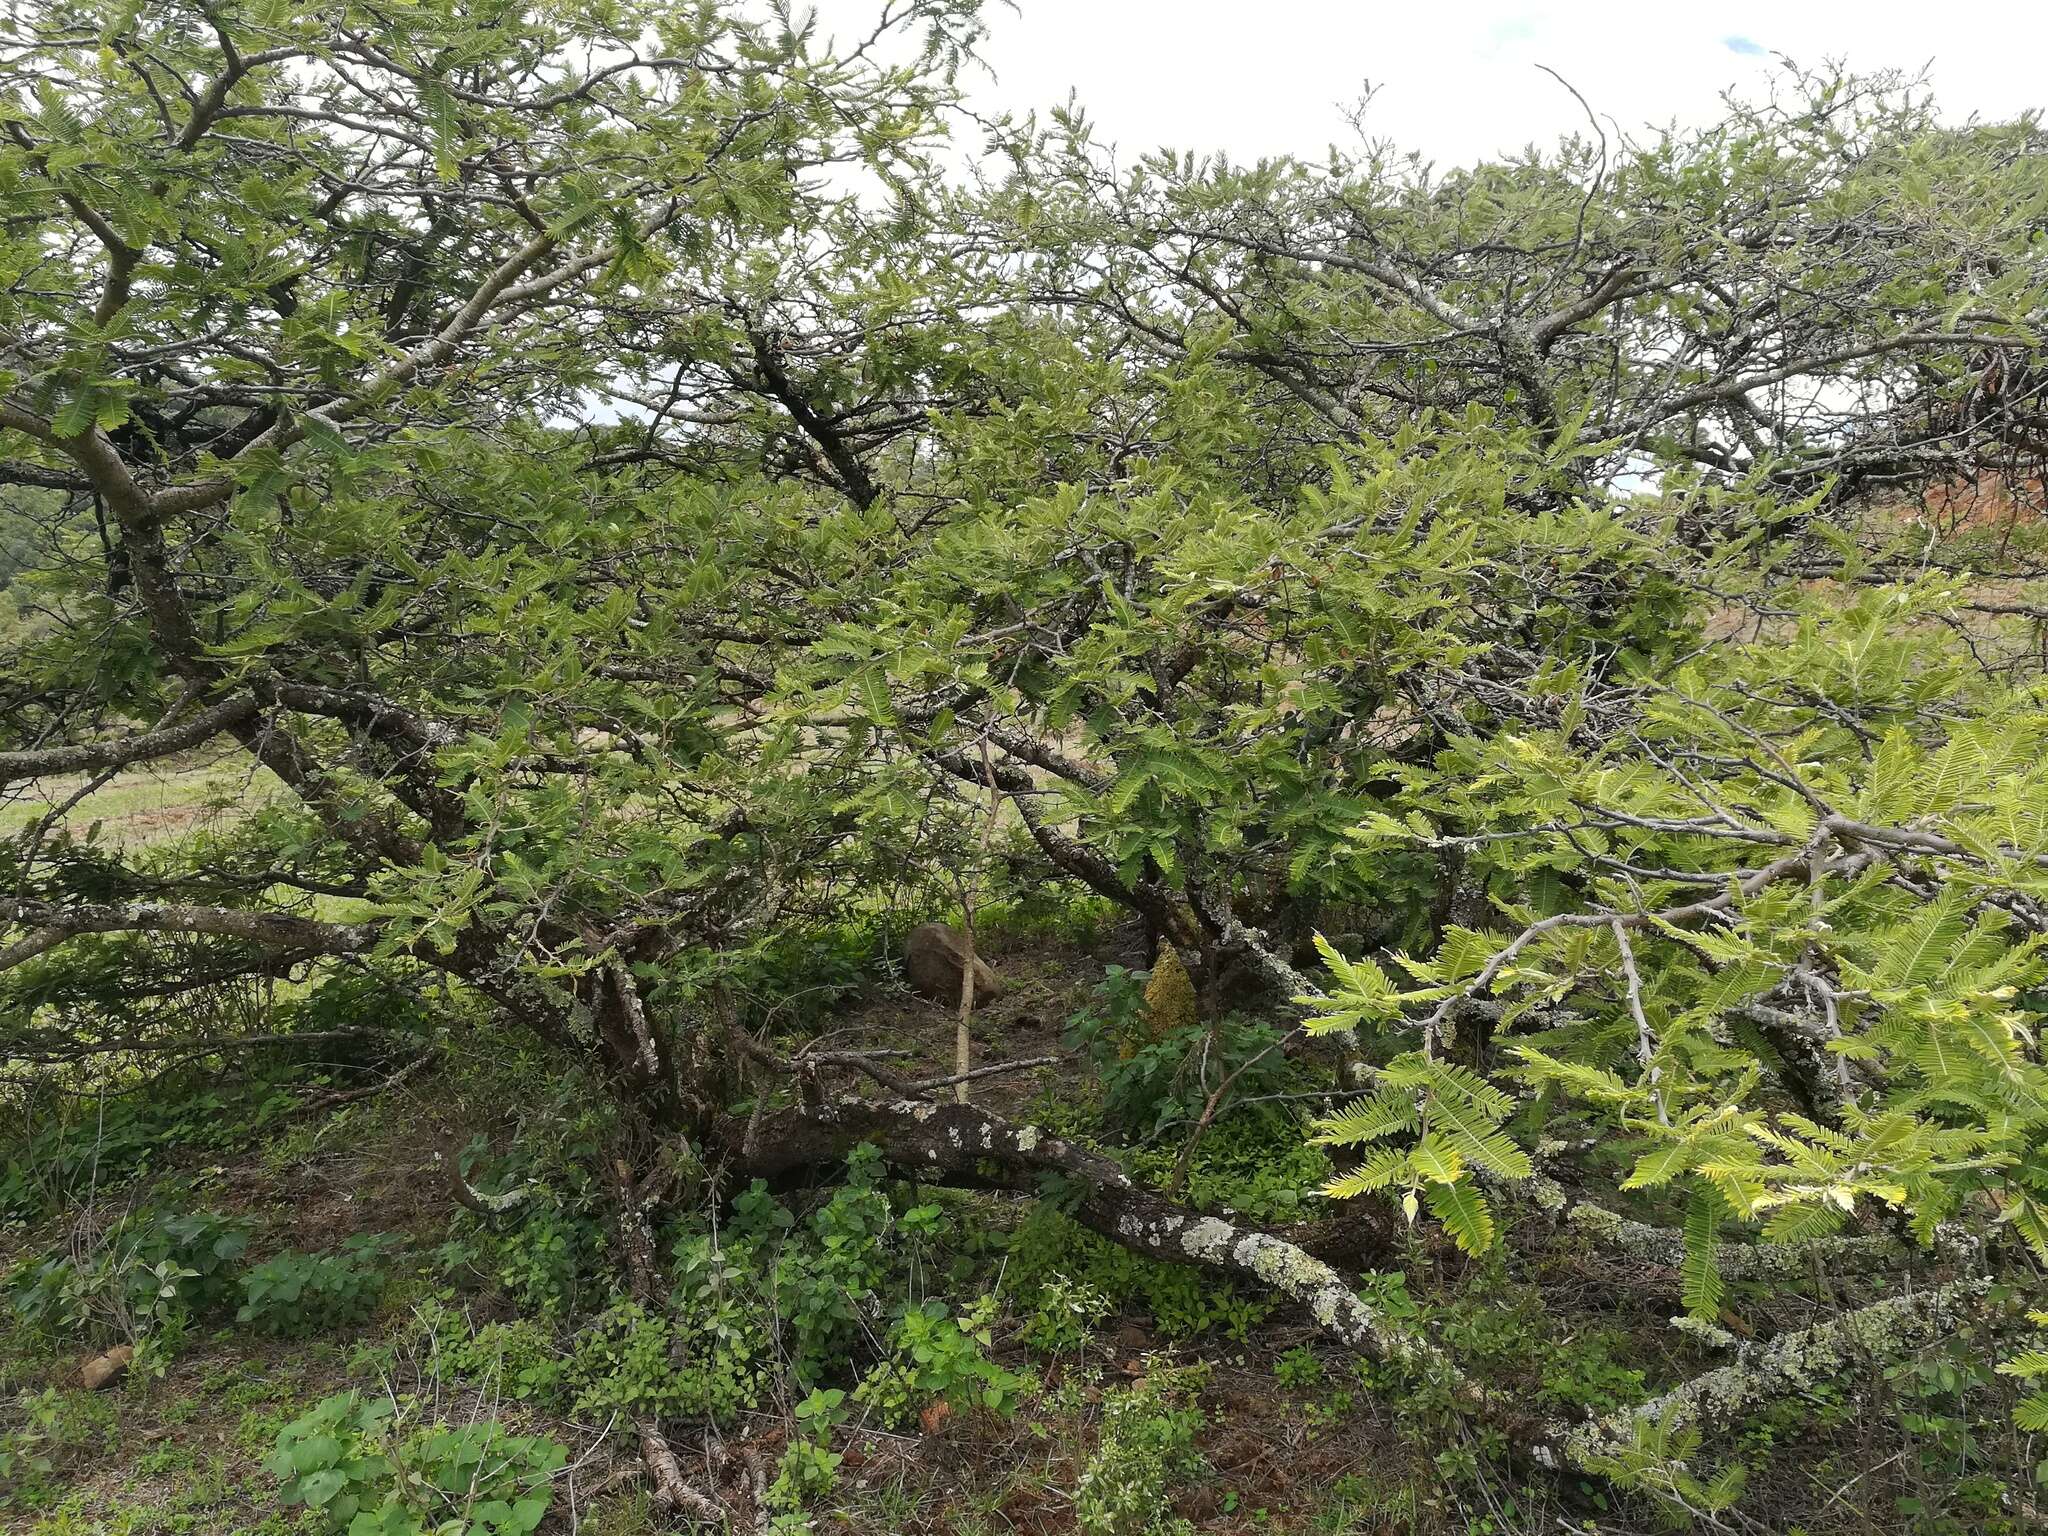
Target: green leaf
column 1387, row 1111
column 317, row 1488
column 2031, row 1413
column 75, row 417
column 1436, row 1160
column 314, row 1452
column 2028, row 1363
column 1700, row 1279
column 1376, row 1172
column 1660, row 1165
column 1464, row 1213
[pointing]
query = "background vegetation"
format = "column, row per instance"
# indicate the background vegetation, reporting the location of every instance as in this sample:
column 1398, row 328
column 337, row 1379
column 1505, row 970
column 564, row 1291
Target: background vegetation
column 1479, row 737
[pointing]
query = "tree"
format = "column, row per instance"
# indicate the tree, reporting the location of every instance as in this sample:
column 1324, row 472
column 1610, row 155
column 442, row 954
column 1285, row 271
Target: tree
column 625, row 503
column 308, row 308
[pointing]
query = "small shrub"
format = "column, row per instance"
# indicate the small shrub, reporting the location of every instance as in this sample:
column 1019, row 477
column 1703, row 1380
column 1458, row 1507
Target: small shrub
column 805, row 1473
column 1156, row 1065
column 1113, row 1022
column 358, row 1467
column 809, row 1467
column 1048, row 1243
column 1145, row 1446
column 629, row 1361
column 935, row 1356
column 1386, row 1292
column 519, row 1359
column 300, row 1293
column 102, row 1143
column 825, row 1299
column 1590, row 1375
column 1298, row 1370
column 147, row 1277
column 549, row 1252
column 547, row 1261
column 1065, row 1314
column 1256, row 1162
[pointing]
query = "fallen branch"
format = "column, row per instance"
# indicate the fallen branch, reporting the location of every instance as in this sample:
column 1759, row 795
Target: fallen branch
column 965, row 1144
column 671, row 1489
column 1840, row 1254
column 1339, row 1048
column 488, row 1207
column 1214, row 1102
column 1789, row 1364
column 636, row 1247
column 993, row 1069
column 805, row 1064
column 334, row 1098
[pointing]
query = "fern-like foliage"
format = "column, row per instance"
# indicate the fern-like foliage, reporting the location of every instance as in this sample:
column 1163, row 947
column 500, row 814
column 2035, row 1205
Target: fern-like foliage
column 1800, row 969
column 1701, row 1282
column 2031, row 1412
column 1455, row 1118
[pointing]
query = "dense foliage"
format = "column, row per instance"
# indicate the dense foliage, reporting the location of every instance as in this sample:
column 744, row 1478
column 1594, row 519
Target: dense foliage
column 640, row 531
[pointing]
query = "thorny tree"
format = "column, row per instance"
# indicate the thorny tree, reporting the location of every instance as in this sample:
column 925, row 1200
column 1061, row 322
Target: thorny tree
column 624, row 506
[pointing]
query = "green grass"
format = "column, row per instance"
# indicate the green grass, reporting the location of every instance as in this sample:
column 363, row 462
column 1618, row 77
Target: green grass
column 149, row 804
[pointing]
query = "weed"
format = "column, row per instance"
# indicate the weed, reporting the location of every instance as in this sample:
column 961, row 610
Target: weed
column 809, row 1466
column 1047, row 1244
column 301, row 1293
column 1064, row 1315
column 151, row 1274
column 1145, row 1446
column 1152, row 1079
column 934, row 1355
column 1298, row 1370
column 57, row 1426
column 361, row 1467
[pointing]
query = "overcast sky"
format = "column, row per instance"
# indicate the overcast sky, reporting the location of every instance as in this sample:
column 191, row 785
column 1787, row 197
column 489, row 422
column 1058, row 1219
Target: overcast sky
column 1458, row 79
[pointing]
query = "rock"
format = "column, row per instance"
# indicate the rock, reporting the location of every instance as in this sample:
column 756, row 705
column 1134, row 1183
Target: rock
column 932, row 959
column 108, row 1368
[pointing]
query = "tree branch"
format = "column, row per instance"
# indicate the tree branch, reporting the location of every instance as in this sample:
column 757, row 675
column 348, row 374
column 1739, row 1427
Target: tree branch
column 87, row 757
column 53, row 924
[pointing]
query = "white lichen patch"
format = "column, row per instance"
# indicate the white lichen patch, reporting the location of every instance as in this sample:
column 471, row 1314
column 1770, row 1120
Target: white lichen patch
column 1208, row 1239
column 1704, row 1332
column 1792, row 1363
column 1596, row 1222
column 1286, row 1267
column 1659, row 1245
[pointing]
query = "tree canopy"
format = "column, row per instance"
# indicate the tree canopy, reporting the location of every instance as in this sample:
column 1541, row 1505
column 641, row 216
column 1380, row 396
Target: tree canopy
column 631, row 509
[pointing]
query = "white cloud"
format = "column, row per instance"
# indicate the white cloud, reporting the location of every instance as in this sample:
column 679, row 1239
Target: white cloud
column 1458, row 80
